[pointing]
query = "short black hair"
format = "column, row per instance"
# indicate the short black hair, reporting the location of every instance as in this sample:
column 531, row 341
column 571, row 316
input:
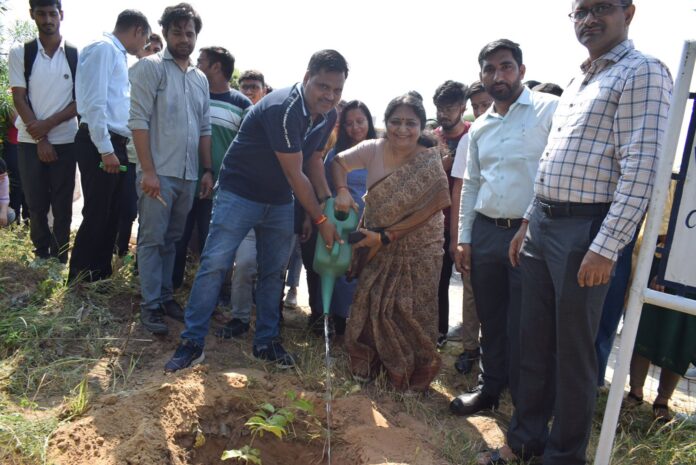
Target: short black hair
column 183, row 12
column 532, row 83
column 37, row 3
column 223, row 56
column 252, row 75
column 327, row 60
column 500, row 44
column 476, row 87
column 549, row 88
column 128, row 19
column 408, row 100
column 450, row 92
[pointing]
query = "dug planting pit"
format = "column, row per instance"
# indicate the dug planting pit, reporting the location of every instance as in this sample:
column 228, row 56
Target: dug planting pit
column 194, row 416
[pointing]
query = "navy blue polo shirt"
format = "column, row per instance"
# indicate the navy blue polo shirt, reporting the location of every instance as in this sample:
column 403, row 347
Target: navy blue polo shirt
column 280, row 122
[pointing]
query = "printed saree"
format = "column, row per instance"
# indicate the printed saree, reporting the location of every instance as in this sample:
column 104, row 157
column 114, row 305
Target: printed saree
column 393, row 320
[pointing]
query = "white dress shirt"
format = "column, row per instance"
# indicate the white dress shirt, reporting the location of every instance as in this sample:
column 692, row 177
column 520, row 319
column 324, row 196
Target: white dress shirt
column 50, row 91
column 504, row 152
column 103, row 91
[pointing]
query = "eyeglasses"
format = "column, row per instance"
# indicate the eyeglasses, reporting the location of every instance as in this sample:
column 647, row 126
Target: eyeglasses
column 598, row 10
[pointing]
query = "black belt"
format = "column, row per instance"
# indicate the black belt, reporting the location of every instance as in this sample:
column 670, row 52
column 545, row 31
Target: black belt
column 503, row 223
column 564, row 209
column 118, row 138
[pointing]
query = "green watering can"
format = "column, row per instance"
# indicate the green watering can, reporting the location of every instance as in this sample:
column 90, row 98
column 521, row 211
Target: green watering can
column 333, row 263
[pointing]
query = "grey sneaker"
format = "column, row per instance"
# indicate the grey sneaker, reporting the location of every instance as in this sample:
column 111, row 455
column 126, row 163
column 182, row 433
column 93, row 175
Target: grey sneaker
column 153, row 320
column 291, row 298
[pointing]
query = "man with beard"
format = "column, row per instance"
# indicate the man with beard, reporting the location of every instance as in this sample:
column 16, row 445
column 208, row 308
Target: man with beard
column 41, row 74
column 170, row 120
column 450, row 103
column 103, row 103
column 505, row 145
column 612, row 117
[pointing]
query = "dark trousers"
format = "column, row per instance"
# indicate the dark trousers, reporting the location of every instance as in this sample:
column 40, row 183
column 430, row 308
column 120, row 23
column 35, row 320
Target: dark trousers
column 613, row 308
column 313, row 279
column 17, row 201
column 49, row 186
column 94, row 242
column 559, row 321
column 443, row 288
column 128, row 211
column 199, row 216
column 496, row 287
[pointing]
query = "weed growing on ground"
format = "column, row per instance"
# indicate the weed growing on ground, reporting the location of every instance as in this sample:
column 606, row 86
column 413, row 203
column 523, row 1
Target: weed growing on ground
column 277, row 421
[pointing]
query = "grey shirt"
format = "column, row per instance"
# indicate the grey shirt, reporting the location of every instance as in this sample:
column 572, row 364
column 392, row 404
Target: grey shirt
column 174, row 106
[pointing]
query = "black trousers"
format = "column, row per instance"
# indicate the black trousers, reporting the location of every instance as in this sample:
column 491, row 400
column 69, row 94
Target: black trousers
column 128, row 211
column 94, row 242
column 17, row 201
column 49, row 186
column 496, row 287
column 443, row 288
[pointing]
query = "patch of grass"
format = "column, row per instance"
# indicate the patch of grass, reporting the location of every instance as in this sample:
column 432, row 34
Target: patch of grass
column 51, row 335
column 24, row 437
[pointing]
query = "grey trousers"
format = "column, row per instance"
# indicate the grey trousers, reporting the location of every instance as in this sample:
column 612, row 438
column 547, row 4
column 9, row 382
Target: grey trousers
column 496, row 287
column 559, row 324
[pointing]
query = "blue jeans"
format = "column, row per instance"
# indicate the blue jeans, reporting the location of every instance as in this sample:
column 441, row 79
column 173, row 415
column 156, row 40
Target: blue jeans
column 233, row 218
column 160, row 227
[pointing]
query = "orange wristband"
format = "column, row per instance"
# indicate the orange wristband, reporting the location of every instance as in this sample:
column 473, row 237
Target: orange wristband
column 322, row 219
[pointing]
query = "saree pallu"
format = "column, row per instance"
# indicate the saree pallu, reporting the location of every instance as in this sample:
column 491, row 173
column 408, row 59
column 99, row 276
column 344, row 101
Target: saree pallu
column 394, row 315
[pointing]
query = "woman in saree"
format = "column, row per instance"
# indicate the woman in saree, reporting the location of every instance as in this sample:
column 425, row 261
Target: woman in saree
column 393, row 319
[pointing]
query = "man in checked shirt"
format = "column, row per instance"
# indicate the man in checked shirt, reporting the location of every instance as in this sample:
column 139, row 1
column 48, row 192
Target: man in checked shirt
column 592, row 188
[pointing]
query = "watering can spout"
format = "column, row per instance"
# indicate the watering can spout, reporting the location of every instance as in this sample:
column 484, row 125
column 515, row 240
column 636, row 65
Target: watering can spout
column 330, row 264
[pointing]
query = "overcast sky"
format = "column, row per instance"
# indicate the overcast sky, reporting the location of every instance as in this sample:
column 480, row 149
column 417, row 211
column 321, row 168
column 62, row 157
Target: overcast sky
column 392, row 46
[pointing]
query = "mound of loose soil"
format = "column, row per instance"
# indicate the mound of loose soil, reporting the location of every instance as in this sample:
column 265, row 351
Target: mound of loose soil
column 166, row 420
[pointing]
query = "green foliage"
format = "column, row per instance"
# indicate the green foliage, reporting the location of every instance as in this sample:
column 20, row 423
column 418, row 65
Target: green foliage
column 21, row 31
column 276, row 421
column 246, row 453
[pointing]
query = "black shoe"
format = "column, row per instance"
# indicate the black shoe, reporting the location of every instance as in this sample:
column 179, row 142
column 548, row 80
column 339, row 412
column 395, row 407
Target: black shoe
column 153, row 320
column 441, row 340
column 470, row 403
column 233, row 328
column 274, row 352
column 466, row 360
column 173, row 310
column 186, row 355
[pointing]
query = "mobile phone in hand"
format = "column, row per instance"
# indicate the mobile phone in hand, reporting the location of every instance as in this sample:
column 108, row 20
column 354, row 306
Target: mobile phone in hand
column 355, row 237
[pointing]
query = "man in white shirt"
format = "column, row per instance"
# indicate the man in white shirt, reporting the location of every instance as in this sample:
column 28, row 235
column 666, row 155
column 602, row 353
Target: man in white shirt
column 43, row 95
column 505, row 145
column 103, row 102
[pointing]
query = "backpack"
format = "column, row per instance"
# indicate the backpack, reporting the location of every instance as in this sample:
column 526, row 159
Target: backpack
column 31, row 49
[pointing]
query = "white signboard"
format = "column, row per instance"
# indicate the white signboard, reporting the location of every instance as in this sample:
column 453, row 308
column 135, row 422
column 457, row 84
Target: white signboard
column 681, row 264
